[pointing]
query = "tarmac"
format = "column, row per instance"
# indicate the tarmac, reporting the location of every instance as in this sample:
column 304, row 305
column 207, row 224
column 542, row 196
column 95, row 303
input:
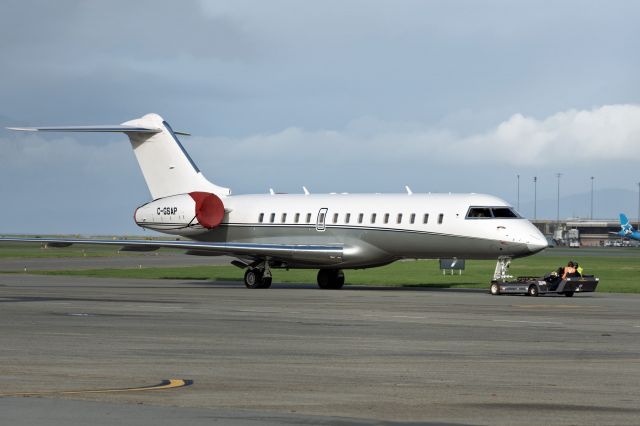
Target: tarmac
column 128, row 260
column 295, row 354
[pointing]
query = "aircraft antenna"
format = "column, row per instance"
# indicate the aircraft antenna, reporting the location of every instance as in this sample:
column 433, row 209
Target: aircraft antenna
column 409, row 191
column 306, row 191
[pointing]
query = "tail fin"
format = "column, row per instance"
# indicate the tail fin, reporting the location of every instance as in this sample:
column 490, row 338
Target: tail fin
column 165, row 164
column 627, row 228
column 623, row 219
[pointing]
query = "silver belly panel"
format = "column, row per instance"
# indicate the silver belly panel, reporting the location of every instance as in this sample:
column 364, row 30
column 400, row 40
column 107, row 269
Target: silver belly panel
column 365, row 247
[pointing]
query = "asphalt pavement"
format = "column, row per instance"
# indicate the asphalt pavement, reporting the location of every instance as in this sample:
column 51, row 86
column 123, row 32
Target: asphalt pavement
column 295, row 354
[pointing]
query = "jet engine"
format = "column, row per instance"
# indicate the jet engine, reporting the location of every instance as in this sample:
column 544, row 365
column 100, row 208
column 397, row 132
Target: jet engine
column 183, row 214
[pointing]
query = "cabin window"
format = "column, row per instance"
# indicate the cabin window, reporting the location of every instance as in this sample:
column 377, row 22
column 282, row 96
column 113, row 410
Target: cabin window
column 347, row 218
column 386, row 218
column 412, row 218
column 373, row 218
column 425, row 219
column 335, row 218
column 440, row 218
column 296, row 218
column 360, row 217
column 261, row 218
column 308, row 217
column 399, row 220
column 283, row 219
column 272, row 217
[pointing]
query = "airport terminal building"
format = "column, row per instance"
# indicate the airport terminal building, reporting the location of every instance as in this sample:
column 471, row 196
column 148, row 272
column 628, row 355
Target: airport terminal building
column 583, row 232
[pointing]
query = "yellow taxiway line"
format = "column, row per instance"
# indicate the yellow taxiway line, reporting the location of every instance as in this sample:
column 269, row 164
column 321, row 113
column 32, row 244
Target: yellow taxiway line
column 165, row 384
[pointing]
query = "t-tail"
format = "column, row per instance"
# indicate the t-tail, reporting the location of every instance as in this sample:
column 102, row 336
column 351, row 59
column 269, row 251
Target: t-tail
column 166, row 166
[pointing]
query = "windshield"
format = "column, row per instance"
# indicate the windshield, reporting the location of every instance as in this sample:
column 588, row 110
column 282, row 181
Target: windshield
column 492, row 213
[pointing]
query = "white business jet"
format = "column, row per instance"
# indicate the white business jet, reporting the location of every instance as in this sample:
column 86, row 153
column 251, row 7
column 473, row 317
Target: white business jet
column 329, row 232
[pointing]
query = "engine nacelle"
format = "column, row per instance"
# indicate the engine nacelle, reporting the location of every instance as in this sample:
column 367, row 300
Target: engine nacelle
column 183, row 214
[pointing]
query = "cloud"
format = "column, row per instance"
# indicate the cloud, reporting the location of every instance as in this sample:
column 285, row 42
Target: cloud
column 90, row 183
column 609, row 132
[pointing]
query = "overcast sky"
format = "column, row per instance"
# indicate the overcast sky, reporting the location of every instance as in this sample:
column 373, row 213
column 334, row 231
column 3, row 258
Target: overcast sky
column 344, row 96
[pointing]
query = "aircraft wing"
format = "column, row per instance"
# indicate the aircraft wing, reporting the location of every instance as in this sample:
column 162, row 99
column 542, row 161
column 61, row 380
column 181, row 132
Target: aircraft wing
column 298, row 253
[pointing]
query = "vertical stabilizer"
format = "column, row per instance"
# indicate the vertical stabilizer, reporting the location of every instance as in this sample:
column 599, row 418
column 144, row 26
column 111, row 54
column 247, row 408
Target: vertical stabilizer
column 626, row 227
column 166, row 166
column 623, row 219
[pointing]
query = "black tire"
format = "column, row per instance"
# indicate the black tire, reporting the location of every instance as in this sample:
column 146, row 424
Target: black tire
column 253, row 278
column 330, row 279
column 324, row 279
column 568, row 293
column 494, row 289
column 533, row 291
column 339, row 280
column 266, row 282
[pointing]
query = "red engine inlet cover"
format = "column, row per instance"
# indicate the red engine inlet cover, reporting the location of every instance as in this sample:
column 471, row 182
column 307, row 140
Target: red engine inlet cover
column 209, row 209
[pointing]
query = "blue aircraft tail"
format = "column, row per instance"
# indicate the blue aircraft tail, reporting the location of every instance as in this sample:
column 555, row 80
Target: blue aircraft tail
column 626, row 227
column 623, row 219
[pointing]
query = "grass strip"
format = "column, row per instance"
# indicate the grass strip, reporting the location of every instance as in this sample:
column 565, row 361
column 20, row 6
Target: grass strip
column 617, row 274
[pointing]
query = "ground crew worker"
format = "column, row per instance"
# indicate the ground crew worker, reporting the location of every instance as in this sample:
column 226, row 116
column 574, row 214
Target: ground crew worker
column 579, row 269
column 569, row 269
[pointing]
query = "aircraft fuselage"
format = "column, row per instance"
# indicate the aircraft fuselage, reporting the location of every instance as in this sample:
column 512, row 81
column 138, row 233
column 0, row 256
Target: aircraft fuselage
column 375, row 229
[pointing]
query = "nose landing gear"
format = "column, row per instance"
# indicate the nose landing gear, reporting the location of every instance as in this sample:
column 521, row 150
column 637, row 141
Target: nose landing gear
column 502, row 268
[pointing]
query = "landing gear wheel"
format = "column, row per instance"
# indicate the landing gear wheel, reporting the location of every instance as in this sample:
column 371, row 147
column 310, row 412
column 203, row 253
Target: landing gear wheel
column 253, row 278
column 330, row 279
column 338, row 280
column 266, row 282
column 324, row 278
column 568, row 293
column 533, row 290
column 494, row 289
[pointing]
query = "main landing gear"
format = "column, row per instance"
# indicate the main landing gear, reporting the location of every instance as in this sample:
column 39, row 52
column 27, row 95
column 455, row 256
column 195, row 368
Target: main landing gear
column 331, row 279
column 258, row 277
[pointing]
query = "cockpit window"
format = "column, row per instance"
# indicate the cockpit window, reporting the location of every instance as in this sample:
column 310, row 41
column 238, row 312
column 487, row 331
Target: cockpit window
column 504, row 212
column 492, row 213
column 479, row 213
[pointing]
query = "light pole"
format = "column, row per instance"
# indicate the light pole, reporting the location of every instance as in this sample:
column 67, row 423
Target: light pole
column 591, row 216
column 535, row 197
column 558, row 203
column 518, row 205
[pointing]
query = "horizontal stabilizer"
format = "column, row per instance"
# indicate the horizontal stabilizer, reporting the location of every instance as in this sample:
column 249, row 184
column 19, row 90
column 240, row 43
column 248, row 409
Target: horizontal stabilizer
column 107, row 129
column 165, row 164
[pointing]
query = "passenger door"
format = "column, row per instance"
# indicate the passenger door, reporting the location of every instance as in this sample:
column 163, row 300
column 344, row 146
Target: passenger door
column 322, row 217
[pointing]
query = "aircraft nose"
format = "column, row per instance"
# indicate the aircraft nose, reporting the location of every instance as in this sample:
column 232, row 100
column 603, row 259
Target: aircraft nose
column 537, row 242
